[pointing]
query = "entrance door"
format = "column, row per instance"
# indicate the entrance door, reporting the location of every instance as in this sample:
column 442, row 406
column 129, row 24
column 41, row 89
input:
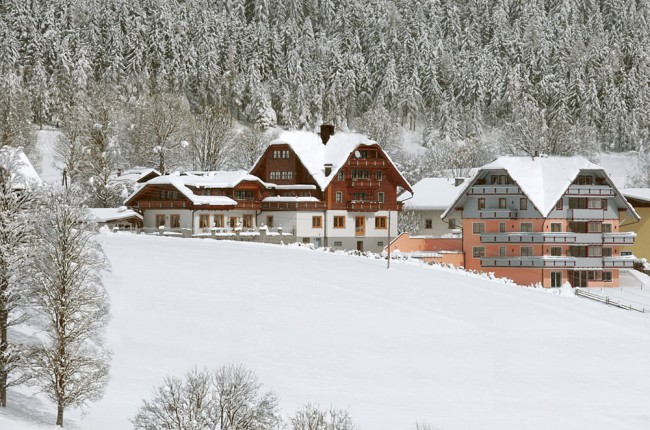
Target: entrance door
column 579, row 279
column 360, row 226
column 360, row 245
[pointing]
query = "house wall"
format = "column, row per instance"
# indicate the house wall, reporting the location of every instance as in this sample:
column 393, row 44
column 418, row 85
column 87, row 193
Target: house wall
column 226, row 215
column 641, row 247
column 185, row 217
column 438, row 226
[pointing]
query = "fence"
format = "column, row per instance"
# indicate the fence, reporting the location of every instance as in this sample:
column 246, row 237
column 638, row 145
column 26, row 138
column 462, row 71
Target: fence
column 606, row 300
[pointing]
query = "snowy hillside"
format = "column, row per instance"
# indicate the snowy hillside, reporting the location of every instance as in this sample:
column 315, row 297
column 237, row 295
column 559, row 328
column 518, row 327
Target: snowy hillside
column 391, row 346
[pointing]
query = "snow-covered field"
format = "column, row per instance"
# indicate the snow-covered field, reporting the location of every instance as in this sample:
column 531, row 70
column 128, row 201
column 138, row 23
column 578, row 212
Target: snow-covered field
column 391, row 346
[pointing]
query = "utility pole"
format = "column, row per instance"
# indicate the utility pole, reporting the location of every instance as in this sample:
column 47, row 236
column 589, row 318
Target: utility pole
column 388, row 259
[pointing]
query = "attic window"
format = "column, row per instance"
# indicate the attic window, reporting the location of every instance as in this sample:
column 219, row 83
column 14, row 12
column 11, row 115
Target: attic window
column 584, row 180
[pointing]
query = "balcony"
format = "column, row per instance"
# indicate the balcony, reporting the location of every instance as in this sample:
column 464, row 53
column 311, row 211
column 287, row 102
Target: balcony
column 586, row 214
column 590, row 190
column 533, row 261
column 627, row 238
column 588, row 238
column 619, row 262
column 290, row 206
column 366, row 162
column 588, row 262
column 525, row 237
column 494, row 189
column 363, row 183
column 497, row 213
column 364, row 206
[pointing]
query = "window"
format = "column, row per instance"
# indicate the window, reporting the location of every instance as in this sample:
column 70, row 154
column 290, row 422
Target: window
column 558, row 205
column 339, row 197
column 359, row 197
column 577, row 251
column 340, row 175
column 502, row 203
column 218, row 221
column 453, row 223
column 595, row 203
column 523, row 203
column 481, row 203
column 607, row 276
column 526, row 227
column 316, row 221
column 478, row 251
column 285, row 153
column 248, row 221
column 339, row 222
column 160, row 220
column 204, row 221
column 243, row 194
column 269, row 221
column 273, row 176
column 595, row 251
column 305, row 240
column 607, row 228
column 286, row 175
column 338, row 243
column 168, row 195
column 594, row 227
column 380, row 222
column 595, row 275
column 380, row 197
column 363, row 153
column 502, row 227
column 380, row 243
column 379, row 175
column 603, row 204
column 556, row 279
column 607, row 252
column 577, row 203
column 556, row 251
column 502, row 251
column 232, row 222
column 583, row 180
column 526, row 251
column 478, row 227
column 556, row 227
column 276, row 154
column 360, row 174
column 175, row 221
column 428, row 223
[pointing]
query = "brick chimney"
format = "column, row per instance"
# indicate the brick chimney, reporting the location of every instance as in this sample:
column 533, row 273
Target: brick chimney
column 326, row 131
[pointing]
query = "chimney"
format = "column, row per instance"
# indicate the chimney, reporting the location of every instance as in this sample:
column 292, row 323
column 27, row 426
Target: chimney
column 326, row 131
column 458, row 181
column 328, row 169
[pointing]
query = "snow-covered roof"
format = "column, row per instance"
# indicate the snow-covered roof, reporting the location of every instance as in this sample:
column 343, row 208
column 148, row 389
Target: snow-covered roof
column 542, row 179
column 25, row 172
column 290, row 199
column 642, row 194
column 314, row 155
column 113, row 214
column 218, row 179
column 431, row 194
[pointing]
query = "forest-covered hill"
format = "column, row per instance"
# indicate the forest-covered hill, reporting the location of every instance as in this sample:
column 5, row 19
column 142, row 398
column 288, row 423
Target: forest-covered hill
column 555, row 76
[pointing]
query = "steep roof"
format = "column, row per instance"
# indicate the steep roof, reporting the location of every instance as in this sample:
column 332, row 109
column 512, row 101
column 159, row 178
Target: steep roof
column 25, row 172
column 542, row 179
column 431, row 194
column 314, row 155
column 642, row 194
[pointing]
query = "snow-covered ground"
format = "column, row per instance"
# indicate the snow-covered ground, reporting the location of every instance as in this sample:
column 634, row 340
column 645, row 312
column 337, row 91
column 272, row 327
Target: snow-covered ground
column 391, row 346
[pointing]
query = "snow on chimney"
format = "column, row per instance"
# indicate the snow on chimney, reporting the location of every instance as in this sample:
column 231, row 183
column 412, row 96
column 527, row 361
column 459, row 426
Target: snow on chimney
column 326, row 131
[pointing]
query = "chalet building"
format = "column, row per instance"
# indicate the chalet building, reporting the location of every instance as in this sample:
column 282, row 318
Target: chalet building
column 639, row 198
column 545, row 220
column 430, row 198
column 338, row 190
column 352, row 183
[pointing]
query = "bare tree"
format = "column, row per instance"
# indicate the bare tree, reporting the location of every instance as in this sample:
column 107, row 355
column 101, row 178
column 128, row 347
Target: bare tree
column 227, row 399
column 160, row 128
column 15, row 199
column 311, row 417
column 71, row 364
column 211, row 137
column 409, row 221
column 249, row 144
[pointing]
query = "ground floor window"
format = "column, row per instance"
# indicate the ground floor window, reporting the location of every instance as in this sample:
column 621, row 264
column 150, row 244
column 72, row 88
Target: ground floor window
column 316, row 221
column 160, row 220
column 556, row 279
column 339, row 222
column 478, row 251
column 380, row 243
column 218, row 221
column 338, row 243
column 269, row 221
column 175, row 221
column 305, row 240
column 204, row 221
column 607, row 276
column 232, row 222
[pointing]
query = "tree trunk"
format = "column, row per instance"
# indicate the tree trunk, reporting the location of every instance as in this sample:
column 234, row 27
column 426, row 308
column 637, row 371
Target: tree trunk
column 59, row 415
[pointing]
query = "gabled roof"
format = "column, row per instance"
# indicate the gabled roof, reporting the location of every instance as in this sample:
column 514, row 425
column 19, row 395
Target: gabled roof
column 202, row 180
column 431, row 194
column 314, row 155
column 542, row 179
column 642, row 194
